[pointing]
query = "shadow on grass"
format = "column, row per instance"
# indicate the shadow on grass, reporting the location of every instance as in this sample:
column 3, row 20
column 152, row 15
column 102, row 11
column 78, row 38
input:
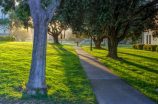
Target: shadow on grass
column 121, row 60
column 135, row 77
column 143, row 78
column 73, row 86
column 150, row 58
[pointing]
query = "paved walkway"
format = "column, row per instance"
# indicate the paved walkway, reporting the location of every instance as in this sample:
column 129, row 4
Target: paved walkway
column 108, row 88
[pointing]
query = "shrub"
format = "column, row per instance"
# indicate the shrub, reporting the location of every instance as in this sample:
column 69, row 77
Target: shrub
column 139, row 46
column 157, row 48
column 1, row 38
column 133, row 46
column 153, row 47
column 12, row 38
column 149, row 47
column 145, row 47
column 7, row 38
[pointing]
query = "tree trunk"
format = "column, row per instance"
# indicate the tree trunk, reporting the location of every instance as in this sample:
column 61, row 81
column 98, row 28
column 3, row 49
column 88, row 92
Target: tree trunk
column 97, row 43
column 112, row 48
column 37, row 82
column 56, row 40
column 77, row 44
column 41, row 19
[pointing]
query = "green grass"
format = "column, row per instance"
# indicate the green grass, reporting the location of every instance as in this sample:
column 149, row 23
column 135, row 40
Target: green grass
column 65, row 77
column 137, row 67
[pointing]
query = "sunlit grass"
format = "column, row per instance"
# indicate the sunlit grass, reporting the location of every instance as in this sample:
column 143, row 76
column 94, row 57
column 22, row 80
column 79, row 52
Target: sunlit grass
column 65, row 77
column 137, row 67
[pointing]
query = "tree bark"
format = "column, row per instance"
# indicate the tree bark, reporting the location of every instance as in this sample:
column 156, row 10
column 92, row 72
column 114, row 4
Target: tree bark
column 56, row 40
column 37, row 82
column 97, row 43
column 112, row 48
column 41, row 19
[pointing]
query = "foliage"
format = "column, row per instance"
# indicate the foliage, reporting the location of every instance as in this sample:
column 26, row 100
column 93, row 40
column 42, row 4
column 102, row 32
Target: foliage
column 139, row 46
column 7, row 38
column 134, row 47
column 121, row 19
column 153, row 47
column 157, row 48
column 55, row 27
column 4, row 23
column 65, row 77
column 149, row 47
column 15, row 22
column 71, row 14
column 145, row 47
column 138, row 68
column 24, row 15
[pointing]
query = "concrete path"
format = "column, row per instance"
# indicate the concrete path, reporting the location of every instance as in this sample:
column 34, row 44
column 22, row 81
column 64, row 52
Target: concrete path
column 108, row 88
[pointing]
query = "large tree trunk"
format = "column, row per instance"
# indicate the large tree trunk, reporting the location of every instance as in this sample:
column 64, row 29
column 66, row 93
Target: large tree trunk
column 56, row 40
column 112, row 48
column 97, row 43
column 41, row 19
column 37, row 82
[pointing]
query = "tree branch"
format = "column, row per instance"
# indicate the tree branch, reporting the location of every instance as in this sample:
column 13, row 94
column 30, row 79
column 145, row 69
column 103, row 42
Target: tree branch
column 35, row 6
column 125, row 32
column 148, row 5
column 52, row 8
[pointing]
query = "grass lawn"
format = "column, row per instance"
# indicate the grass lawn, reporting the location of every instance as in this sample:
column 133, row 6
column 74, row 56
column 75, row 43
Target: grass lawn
column 65, row 77
column 138, row 68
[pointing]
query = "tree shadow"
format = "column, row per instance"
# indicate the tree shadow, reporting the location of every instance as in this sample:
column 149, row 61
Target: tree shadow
column 75, row 81
column 134, row 76
column 123, row 61
column 69, row 83
column 145, row 57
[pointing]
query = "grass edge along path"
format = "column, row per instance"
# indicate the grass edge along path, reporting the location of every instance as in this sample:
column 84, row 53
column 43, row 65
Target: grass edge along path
column 65, row 77
column 136, row 67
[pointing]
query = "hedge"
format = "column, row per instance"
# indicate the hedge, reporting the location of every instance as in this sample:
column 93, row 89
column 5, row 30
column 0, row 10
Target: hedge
column 157, row 48
column 7, row 38
column 147, row 47
column 150, row 47
column 138, row 46
column 133, row 46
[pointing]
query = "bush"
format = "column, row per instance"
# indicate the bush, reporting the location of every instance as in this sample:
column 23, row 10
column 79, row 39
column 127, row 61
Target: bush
column 133, row 46
column 157, row 48
column 153, row 47
column 12, row 38
column 145, row 47
column 139, row 46
column 7, row 38
column 150, row 47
